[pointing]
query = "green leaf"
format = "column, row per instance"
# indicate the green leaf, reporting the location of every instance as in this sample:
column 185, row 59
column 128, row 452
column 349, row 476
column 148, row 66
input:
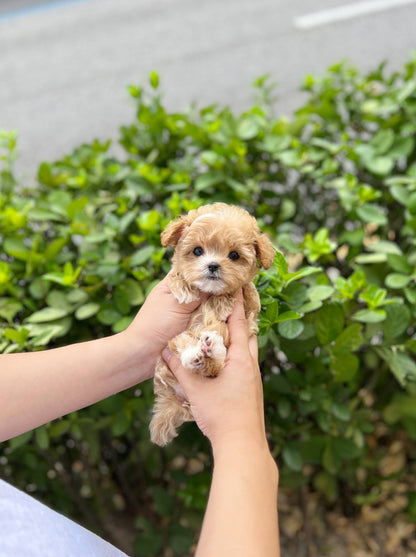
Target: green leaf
column 370, row 315
column 402, row 405
column 384, row 246
column 206, row 180
column 383, row 140
column 326, row 484
column 374, row 296
column 54, row 248
column 330, row 459
column 9, row 308
column 283, row 408
column 408, row 89
column 17, row 442
column 58, row 299
column 141, row 256
column 292, row 458
column 401, row 365
column 77, row 296
column 42, row 438
column 149, row 542
column 399, row 263
column 154, row 79
column 288, row 316
column 19, row 337
column 247, row 128
column 280, row 264
column 86, row 311
column 381, row 166
column 310, row 306
column 122, row 323
column 372, row 213
column 180, row 539
column 329, row 322
column 371, row 258
column 302, row 273
column 341, row 411
column 345, row 448
column 290, row 329
column 402, row 147
column 397, row 280
column 47, row 314
column 108, row 315
column 59, row 428
column 38, row 214
column 397, row 320
column 320, row 292
column 163, row 501
column 349, row 340
column 272, row 312
column 120, row 424
column 344, row 365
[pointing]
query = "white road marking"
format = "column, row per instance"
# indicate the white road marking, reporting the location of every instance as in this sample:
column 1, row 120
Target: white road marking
column 42, row 7
column 349, row 11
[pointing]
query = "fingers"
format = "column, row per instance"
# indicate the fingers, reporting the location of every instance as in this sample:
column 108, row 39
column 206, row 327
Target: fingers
column 163, row 295
column 253, row 346
column 237, row 322
column 175, row 366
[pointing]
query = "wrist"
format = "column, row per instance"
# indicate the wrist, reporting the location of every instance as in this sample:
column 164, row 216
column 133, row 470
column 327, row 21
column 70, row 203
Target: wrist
column 251, row 457
column 139, row 356
column 239, row 446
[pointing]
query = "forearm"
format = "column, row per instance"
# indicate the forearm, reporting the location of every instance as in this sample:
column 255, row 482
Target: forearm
column 241, row 516
column 38, row 387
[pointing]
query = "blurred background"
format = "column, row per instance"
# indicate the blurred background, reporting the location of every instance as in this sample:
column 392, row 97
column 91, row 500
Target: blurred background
column 65, row 64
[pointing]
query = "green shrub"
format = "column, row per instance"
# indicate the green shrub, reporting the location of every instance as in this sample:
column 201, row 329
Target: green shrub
column 334, row 186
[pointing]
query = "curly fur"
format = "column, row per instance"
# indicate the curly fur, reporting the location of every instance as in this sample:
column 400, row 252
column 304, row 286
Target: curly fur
column 218, row 248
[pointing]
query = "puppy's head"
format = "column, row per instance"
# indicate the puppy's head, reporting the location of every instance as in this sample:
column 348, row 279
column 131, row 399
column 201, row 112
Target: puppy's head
column 217, row 247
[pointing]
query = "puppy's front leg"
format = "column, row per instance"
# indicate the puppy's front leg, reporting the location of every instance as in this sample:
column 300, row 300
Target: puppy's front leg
column 183, row 292
column 252, row 307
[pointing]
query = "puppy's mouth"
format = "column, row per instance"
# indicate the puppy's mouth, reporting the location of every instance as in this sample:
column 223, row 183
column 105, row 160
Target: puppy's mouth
column 213, row 271
column 211, row 280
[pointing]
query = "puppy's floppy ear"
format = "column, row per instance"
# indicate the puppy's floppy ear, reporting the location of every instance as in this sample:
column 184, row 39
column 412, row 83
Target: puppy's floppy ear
column 174, row 230
column 265, row 250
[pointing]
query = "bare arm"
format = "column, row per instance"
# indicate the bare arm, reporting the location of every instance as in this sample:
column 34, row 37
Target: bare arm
column 40, row 386
column 241, row 516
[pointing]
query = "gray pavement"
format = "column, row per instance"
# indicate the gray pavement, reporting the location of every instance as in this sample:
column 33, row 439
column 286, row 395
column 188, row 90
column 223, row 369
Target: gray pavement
column 65, row 64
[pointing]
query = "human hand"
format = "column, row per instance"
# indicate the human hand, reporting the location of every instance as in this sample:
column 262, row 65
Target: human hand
column 228, row 408
column 160, row 319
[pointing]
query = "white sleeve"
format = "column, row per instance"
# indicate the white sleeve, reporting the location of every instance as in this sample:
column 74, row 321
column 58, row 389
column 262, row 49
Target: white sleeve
column 30, row 529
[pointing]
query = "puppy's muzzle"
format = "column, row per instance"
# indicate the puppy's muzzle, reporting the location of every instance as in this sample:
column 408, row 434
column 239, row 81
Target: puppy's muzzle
column 214, row 270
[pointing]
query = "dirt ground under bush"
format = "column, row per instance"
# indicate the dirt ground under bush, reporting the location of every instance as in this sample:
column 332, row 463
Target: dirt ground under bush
column 309, row 529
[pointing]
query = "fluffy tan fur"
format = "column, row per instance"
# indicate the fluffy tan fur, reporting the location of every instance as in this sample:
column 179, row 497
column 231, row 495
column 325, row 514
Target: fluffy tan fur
column 217, row 251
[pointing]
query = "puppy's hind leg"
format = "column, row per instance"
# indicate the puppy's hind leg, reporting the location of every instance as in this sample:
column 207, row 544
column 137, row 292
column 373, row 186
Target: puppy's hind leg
column 206, row 355
column 168, row 415
column 171, row 408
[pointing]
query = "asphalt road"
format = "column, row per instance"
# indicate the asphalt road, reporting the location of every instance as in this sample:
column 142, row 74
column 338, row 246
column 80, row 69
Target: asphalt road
column 65, row 64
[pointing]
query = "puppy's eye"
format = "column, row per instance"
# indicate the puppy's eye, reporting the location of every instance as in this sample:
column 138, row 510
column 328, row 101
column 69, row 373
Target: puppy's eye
column 198, row 251
column 233, row 255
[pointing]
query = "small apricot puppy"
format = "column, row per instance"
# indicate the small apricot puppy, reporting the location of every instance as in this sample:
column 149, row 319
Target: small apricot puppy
column 217, row 251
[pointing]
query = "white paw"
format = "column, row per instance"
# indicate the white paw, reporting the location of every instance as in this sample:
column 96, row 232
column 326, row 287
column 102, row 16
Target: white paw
column 192, row 357
column 212, row 345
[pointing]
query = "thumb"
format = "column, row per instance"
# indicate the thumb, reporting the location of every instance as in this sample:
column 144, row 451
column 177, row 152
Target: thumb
column 175, row 365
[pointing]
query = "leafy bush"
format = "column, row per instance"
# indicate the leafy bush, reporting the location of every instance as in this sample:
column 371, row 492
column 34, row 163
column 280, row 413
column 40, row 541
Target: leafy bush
column 334, row 186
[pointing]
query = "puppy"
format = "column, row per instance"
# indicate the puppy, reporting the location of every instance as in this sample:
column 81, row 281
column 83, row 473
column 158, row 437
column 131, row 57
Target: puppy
column 217, row 251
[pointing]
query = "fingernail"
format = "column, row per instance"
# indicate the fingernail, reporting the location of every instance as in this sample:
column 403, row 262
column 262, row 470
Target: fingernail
column 166, row 355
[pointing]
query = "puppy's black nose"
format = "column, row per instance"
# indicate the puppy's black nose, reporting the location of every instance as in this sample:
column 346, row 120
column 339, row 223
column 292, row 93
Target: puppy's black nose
column 213, row 267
